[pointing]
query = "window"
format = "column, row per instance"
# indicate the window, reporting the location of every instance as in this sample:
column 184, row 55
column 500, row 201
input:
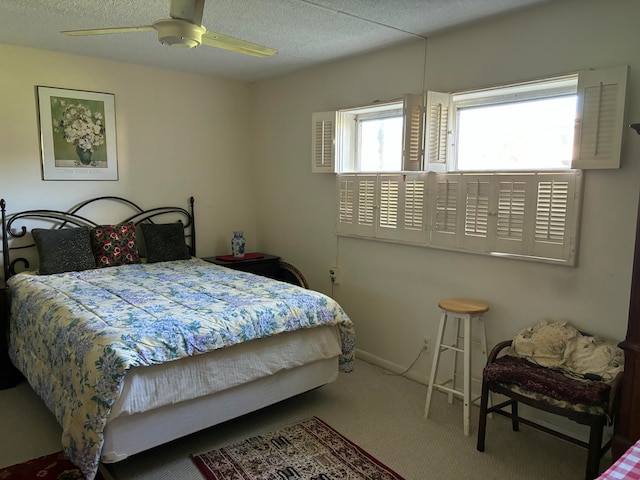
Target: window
column 596, row 124
column 521, row 127
column 370, row 138
column 379, row 146
column 494, row 172
column 385, row 137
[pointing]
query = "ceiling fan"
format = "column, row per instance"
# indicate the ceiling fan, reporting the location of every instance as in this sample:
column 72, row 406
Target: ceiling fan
column 184, row 30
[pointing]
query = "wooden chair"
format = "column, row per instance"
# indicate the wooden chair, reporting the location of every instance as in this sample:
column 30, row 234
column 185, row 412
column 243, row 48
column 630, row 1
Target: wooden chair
column 590, row 403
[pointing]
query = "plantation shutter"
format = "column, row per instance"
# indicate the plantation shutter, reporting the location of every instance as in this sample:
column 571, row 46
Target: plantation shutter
column 384, row 206
column 323, row 145
column 413, row 151
column 476, row 190
column 415, row 207
column 529, row 215
column 445, row 208
column 402, row 207
column 511, row 210
column 600, row 117
column 437, row 130
column 459, row 210
column 388, row 205
column 356, row 204
column 536, row 215
column 556, row 217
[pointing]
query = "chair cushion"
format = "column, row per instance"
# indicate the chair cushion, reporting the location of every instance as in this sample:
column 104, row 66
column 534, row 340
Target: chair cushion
column 545, row 381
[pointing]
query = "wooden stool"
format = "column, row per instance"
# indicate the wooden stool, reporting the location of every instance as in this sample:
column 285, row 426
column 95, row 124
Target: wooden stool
column 464, row 310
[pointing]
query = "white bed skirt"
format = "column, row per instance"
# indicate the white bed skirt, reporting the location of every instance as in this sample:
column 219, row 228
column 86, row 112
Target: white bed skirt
column 165, row 402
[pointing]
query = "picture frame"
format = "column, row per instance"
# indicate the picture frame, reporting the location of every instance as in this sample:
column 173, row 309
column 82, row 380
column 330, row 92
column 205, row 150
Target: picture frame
column 77, row 134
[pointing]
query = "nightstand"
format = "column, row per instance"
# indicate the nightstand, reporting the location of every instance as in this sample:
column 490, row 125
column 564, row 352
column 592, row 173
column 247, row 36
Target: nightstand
column 8, row 374
column 267, row 265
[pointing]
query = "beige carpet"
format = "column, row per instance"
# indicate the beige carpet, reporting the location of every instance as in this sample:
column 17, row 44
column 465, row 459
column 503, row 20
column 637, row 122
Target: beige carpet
column 382, row 413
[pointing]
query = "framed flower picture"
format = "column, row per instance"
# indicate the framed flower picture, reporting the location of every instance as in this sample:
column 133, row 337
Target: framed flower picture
column 77, row 134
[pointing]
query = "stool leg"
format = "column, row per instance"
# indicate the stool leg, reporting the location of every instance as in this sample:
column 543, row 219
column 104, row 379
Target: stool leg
column 434, row 364
column 454, row 365
column 467, row 372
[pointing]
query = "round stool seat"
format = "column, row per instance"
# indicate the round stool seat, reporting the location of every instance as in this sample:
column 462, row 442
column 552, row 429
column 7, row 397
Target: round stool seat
column 463, row 305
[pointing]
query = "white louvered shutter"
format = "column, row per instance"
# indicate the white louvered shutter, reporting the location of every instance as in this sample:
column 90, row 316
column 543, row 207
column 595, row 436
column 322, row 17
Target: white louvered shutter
column 476, row 190
column 438, row 107
column 402, row 204
column 323, row 145
column 413, row 151
column 356, row 204
column 600, row 118
column 535, row 215
column 556, row 225
column 445, row 209
column 415, row 207
column 346, row 200
column 389, row 191
column 510, row 207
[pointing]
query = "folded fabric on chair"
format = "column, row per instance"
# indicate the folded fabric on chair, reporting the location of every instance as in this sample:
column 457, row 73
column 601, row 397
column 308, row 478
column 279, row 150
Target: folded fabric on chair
column 557, row 344
column 545, row 381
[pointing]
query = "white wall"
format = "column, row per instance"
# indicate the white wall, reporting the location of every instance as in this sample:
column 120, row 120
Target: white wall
column 391, row 291
column 178, row 135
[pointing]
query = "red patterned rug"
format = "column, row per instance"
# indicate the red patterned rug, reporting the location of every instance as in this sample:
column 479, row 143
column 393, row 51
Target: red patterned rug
column 49, row 467
column 309, row 450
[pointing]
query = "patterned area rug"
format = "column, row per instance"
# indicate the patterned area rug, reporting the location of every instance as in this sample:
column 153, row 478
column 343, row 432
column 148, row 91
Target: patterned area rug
column 49, row 467
column 309, row 450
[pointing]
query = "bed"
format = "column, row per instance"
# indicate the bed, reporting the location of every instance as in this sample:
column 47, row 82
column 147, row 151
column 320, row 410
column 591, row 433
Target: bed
column 150, row 343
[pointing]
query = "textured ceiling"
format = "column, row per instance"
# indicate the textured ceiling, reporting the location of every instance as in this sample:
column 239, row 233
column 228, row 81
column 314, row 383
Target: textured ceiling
column 305, row 32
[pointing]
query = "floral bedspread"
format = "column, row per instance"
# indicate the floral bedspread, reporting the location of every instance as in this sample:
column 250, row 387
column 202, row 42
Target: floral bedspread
column 74, row 335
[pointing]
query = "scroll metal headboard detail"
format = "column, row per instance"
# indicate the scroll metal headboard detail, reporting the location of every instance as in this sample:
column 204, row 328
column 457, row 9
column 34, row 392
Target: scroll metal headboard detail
column 61, row 219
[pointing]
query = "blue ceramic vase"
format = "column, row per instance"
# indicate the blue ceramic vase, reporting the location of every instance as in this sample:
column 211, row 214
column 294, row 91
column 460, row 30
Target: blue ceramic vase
column 237, row 244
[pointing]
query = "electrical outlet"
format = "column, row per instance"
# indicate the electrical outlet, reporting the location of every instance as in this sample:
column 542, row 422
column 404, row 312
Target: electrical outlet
column 426, row 344
column 334, row 275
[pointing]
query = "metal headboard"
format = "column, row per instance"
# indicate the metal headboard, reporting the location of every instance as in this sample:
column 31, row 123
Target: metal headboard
column 71, row 218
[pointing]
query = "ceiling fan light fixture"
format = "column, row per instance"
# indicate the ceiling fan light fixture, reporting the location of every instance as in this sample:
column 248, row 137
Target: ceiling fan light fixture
column 179, row 33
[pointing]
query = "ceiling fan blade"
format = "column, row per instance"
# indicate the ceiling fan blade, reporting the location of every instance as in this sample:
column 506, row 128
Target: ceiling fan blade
column 189, row 10
column 213, row 39
column 104, row 31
